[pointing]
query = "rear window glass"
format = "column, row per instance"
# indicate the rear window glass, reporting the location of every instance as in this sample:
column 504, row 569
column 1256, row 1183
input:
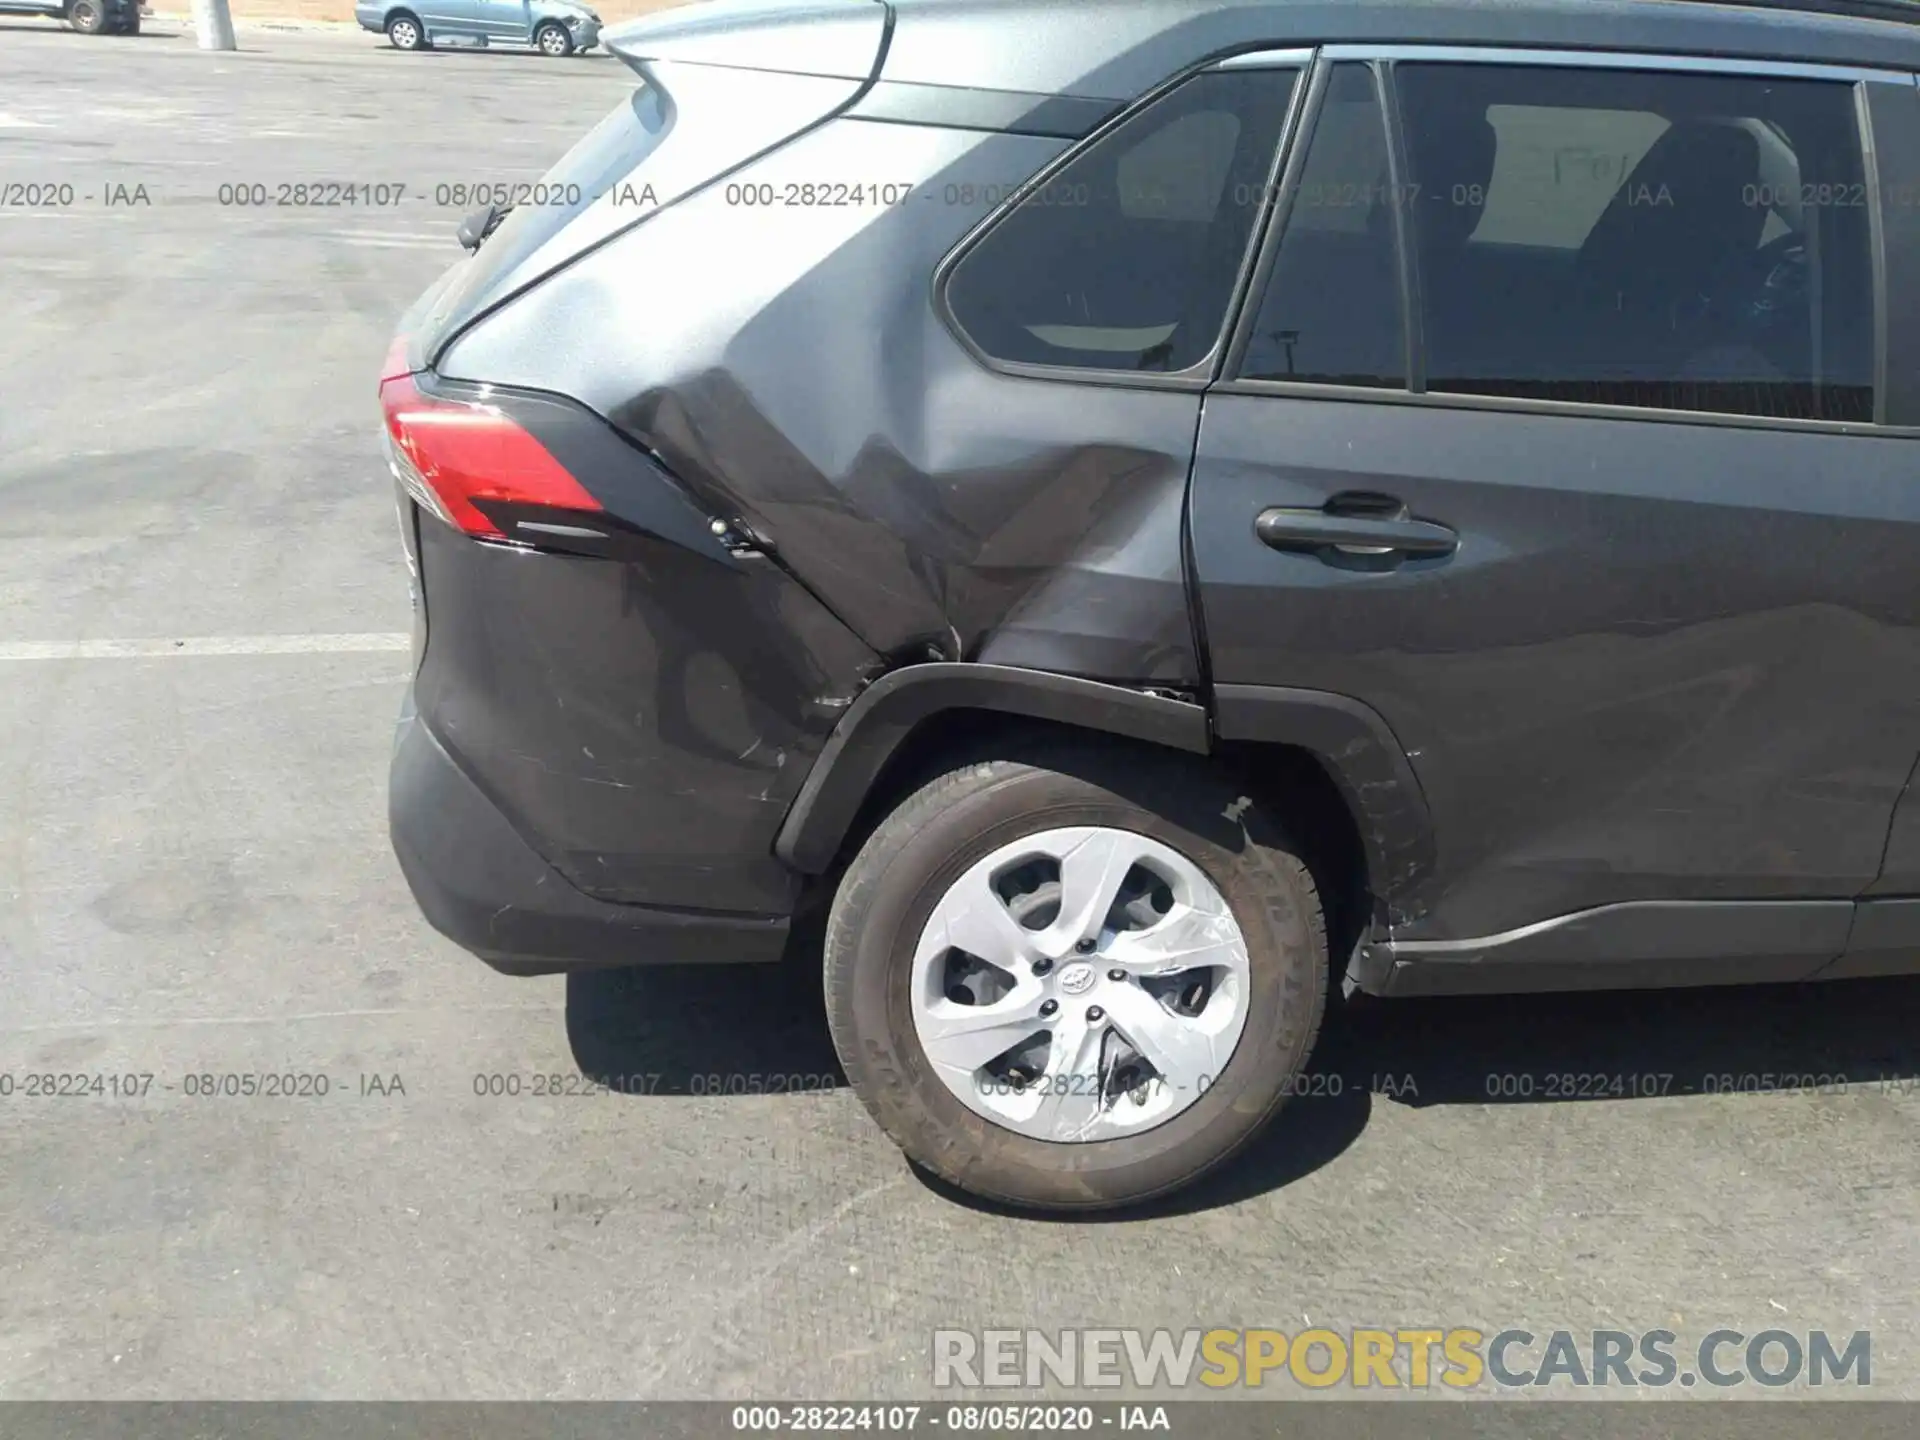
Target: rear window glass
column 599, row 161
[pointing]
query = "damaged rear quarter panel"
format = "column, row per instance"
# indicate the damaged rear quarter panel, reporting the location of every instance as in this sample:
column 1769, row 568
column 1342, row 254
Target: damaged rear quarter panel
column 644, row 723
column 786, row 360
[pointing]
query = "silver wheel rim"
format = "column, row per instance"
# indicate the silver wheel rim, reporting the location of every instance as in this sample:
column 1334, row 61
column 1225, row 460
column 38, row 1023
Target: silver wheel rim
column 404, row 35
column 553, row 42
column 1080, row 984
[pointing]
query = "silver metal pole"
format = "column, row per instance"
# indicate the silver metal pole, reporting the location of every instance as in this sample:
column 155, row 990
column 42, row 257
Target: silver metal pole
column 213, row 24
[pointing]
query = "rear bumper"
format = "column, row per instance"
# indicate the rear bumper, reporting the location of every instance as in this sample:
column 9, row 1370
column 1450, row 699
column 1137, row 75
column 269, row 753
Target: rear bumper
column 483, row 887
column 371, row 17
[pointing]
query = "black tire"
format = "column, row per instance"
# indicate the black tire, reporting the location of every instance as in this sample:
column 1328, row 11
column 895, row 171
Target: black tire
column 89, row 17
column 405, row 32
column 943, row 828
column 553, row 39
column 131, row 25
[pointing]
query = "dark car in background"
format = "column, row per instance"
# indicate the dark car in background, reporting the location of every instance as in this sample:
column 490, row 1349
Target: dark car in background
column 1145, row 512
column 89, row 17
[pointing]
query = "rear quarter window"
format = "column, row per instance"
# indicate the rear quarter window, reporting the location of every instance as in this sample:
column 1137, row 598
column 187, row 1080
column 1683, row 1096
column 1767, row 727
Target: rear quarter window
column 1125, row 258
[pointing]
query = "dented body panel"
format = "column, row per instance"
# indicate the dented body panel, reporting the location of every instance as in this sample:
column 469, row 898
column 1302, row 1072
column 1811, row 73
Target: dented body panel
column 644, row 724
column 939, row 508
column 814, row 487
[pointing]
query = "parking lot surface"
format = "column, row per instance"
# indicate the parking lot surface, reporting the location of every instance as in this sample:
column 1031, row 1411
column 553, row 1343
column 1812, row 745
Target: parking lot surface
column 202, row 622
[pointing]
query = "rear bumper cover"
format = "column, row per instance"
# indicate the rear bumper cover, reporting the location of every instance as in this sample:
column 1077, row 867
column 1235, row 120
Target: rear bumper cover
column 483, row 887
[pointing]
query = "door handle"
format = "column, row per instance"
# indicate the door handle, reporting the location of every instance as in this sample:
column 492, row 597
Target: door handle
column 1367, row 533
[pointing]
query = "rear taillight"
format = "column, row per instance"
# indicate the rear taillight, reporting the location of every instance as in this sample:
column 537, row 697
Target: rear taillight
column 461, row 459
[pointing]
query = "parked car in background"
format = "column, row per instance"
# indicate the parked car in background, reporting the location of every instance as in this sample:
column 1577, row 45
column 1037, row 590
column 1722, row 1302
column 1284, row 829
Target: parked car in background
column 89, row 17
column 1152, row 511
column 553, row 27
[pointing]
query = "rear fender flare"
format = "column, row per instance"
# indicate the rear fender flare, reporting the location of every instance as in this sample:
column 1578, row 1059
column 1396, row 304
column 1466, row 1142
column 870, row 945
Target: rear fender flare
column 886, row 712
column 1350, row 740
column 1369, row 765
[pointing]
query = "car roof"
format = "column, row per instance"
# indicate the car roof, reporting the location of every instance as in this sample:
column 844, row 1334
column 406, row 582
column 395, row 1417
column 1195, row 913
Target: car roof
column 1118, row 49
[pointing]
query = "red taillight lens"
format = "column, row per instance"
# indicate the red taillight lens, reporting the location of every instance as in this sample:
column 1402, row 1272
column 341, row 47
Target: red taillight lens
column 450, row 454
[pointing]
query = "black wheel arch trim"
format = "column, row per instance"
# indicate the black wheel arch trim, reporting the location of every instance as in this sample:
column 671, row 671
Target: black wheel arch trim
column 886, row 712
column 1349, row 738
column 1368, row 764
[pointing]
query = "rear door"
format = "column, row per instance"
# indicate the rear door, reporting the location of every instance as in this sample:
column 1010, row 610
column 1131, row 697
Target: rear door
column 504, row 20
column 460, row 18
column 1549, row 432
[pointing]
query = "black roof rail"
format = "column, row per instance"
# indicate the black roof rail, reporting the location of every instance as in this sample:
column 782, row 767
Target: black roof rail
column 1905, row 12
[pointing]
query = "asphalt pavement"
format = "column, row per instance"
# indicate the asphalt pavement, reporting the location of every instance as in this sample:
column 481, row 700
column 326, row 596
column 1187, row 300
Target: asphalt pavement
column 202, row 621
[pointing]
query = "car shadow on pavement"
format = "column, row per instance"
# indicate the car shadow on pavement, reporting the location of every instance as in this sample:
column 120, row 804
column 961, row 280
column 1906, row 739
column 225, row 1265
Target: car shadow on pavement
column 1843, row 1037
column 685, row 1030
column 703, row 1029
column 42, row 27
column 444, row 49
column 1846, row 1038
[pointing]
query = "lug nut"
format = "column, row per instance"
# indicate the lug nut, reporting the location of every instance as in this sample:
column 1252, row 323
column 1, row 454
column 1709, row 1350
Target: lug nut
column 1084, row 946
column 1042, row 965
column 1047, row 1007
column 1095, row 1014
column 1116, row 974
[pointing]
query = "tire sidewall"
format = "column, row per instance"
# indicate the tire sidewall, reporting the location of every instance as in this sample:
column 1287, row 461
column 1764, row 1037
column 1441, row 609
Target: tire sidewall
column 897, row 891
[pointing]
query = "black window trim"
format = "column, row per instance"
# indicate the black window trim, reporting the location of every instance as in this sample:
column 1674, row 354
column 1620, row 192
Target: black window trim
column 1883, row 306
column 961, row 107
column 1896, row 145
column 1413, row 337
column 1196, row 377
column 1383, row 58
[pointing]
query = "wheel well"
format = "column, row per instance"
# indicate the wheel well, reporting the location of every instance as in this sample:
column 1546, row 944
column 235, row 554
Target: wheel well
column 1289, row 783
column 1294, row 785
column 400, row 12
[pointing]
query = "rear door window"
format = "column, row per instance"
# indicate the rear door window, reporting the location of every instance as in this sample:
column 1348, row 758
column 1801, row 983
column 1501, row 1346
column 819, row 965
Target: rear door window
column 1125, row 258
column 1641, row 238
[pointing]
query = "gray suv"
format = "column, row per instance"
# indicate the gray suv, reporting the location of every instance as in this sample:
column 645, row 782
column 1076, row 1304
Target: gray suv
column 1113, row 522
column 553, row 27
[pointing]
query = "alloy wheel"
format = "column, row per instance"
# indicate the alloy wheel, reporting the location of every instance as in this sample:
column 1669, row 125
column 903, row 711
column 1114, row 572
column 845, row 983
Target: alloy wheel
column 1080, row 984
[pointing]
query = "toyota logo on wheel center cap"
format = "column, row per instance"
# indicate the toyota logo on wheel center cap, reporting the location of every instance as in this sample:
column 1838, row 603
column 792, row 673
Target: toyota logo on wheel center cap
column 1076, row 979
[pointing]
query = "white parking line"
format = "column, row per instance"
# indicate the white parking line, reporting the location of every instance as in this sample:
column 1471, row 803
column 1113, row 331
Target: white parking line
column 203, row 645
column 395, row 240
column 169, row 1022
